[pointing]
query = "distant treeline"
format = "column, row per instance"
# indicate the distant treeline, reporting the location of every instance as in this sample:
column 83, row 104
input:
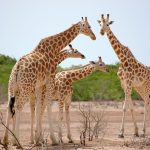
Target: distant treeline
column 98, row 86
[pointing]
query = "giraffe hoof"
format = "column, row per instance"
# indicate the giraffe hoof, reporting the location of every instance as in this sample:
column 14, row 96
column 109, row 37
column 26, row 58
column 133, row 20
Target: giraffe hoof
column 18, row 147
column 120, row 136
column 61, row 141
column 14, row 144
column 136, row 135
column 38, row 144
column 5, row 142
column 31, row 142
column 142, row 135
column 70, row 141
column 54, row 144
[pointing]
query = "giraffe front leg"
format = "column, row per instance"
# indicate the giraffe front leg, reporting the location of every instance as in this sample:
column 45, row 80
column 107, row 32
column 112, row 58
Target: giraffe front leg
column 144, row 121
column 48, row 97
column 32, row 107
column 121, row 134
column 128, row 102
column 67, row 112
column 38, row 131
column 49, row 115
column 61, row 105
column 133, row 117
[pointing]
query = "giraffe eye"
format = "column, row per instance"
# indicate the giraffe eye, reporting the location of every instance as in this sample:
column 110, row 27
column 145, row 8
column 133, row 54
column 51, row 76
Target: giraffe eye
column 100, row 64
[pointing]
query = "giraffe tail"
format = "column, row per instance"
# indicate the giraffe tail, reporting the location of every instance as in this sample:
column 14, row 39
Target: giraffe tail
column 11, row 106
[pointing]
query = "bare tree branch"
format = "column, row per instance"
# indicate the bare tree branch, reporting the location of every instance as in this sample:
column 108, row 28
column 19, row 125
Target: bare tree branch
column 5, row 146
column 1, row 119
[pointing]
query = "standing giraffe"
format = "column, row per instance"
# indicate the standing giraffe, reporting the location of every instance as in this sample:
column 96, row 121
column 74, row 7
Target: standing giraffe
column 64, row 89
column 36, row 69
column 132, row 74
column 64, row 54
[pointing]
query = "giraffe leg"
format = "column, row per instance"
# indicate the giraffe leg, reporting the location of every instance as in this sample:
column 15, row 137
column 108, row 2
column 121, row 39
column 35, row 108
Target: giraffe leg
column 38, row 131
column 14, row 123
column 67, row 112
column 32, row 106
column 144, row 121
column 121, row 135
column 49, row 113
column 5, row 138
column 146, row 111
column 17, row 125
column 49, row 92
column 128, row 102
column 60, row 121
column 133, row 117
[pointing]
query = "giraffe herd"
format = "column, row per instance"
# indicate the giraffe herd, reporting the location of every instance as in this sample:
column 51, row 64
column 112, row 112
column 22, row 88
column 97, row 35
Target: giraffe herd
column 34, row 79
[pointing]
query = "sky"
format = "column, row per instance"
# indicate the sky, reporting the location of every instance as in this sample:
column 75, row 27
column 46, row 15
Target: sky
column 23, row 23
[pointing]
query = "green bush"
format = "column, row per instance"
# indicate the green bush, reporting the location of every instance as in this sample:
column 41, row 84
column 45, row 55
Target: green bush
column 100, row 86
column 6, row 64
column 97, row 86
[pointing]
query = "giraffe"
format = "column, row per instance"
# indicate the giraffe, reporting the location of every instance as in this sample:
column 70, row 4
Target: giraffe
column 36, row 69
column 64, row 54
column 64, row 88
column 131, row 73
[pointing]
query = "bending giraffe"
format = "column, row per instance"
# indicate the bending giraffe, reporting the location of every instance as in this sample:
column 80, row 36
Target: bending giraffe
column 37, row 69
column 64, row 88
column 132, row 74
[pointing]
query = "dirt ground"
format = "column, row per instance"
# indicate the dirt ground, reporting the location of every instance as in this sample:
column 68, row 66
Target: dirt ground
column 108, row 140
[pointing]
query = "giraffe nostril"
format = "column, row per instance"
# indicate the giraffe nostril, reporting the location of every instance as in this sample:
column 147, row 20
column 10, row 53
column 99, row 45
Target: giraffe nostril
column 83, row 57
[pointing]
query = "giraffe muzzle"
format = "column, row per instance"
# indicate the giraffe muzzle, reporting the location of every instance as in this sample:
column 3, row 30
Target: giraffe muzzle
column 93, row 37
column 102, row 32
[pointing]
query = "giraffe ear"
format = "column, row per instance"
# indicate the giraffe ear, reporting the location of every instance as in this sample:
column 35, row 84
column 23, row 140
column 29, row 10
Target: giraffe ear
column 92, row 62
column 100, row 58
column 111, row 22
column 98, row 21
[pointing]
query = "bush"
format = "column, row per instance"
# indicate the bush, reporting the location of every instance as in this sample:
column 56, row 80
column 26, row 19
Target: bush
column 99, row 85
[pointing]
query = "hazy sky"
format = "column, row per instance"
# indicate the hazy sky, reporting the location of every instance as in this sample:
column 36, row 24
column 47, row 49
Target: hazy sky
column 25, row 22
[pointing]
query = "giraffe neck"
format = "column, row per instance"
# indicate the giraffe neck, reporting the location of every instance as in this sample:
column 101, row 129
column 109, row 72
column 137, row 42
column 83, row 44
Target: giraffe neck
column 81, row 73
column 123, row 53
column 61, row 56
column 52, row 45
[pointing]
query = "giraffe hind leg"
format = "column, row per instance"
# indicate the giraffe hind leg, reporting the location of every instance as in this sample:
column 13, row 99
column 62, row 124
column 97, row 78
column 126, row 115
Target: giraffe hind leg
column 11, row 105
column 10, row 113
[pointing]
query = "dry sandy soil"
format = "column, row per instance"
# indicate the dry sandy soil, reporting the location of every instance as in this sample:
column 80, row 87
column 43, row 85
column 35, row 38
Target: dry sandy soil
column 107, row 141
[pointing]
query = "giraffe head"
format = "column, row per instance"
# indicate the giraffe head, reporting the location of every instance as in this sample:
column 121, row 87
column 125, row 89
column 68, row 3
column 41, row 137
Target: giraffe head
column 104, row 23
column 74, row 53
column 86, row 29
column 99, row 65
